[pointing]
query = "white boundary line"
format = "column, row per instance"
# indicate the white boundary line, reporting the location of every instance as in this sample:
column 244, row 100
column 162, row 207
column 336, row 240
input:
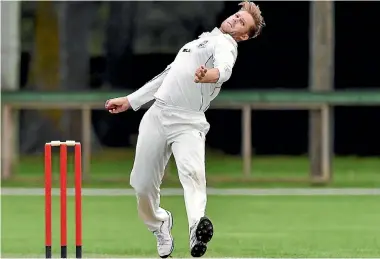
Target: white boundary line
column 210, row 191
column 212, row 258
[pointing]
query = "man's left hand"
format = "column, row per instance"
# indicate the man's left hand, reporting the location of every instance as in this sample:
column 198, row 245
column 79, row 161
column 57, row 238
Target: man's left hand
column 200, row 73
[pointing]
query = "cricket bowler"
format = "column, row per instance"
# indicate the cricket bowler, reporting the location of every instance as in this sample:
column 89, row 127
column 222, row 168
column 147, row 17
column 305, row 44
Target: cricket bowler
column 176, row 124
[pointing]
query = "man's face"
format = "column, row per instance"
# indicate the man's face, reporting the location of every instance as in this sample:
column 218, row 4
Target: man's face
column 238, row 25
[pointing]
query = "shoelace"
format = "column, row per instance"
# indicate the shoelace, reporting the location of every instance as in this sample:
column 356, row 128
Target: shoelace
column 193, row 238
column 162, row 239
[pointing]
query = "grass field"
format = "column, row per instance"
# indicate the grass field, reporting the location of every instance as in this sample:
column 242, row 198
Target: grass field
column 112, row 168
column 245, row 226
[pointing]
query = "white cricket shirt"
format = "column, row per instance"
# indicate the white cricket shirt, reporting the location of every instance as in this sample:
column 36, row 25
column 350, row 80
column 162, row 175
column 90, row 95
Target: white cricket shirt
column 175, row 86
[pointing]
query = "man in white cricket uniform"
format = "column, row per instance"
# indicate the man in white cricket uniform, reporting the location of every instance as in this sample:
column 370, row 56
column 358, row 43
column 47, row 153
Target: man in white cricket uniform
column 176, row 124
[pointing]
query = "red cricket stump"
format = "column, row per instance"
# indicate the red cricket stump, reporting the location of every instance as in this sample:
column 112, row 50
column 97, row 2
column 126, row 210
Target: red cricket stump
column 48, row 179
column 78, row 200
column 63, row 197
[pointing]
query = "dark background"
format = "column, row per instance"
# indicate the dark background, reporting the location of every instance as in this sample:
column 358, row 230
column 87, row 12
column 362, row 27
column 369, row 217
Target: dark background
column 279, row 58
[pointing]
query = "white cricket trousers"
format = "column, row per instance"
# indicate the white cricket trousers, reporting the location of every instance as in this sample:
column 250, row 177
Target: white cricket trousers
column 165, row 130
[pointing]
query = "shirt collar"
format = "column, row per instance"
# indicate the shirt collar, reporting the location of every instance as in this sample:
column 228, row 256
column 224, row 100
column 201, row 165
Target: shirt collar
column 216, row 31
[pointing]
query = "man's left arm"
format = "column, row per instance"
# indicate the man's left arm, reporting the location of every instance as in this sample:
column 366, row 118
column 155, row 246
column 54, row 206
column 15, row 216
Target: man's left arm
column 224, row 60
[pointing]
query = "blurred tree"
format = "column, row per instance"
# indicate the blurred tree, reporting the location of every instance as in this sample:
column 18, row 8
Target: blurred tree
column 45, row 58
column 74, row 34
column 37, row 127
column 60, row 61
column 10, row 45
column 119, row 41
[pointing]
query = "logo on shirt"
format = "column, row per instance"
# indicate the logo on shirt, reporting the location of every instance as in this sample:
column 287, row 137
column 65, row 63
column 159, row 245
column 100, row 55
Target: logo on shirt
column 186, row 50
column 203, row 44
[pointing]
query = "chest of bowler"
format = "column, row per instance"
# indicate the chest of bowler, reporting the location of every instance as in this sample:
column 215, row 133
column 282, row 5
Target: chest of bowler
column 201, row 52
column 198, row 52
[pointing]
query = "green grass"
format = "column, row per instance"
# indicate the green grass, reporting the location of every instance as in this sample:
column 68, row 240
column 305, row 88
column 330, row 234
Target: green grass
column 112, row 169
column 272, row 226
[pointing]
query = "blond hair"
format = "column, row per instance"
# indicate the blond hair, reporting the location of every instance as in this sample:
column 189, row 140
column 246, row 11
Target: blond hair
column 253, row 10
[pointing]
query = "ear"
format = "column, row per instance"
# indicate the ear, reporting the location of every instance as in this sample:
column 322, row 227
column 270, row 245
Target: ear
column 244, row 37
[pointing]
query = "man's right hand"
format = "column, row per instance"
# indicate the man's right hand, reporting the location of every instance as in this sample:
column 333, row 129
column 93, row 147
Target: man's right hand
column 117, row 105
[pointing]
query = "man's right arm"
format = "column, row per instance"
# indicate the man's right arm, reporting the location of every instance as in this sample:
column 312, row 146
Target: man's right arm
column 224, row 60
column 146, row 93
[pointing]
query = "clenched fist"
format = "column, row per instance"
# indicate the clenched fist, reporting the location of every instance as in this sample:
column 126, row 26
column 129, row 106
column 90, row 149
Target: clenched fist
column 200, row 73
column 117, row 105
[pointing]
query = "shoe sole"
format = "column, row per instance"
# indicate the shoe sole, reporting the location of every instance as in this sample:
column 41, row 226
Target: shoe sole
column 204, row 234
column 171, row 226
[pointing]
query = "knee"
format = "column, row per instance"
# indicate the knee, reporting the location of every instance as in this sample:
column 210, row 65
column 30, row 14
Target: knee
column 193, row 171
column 142, row 190
column 141, row 187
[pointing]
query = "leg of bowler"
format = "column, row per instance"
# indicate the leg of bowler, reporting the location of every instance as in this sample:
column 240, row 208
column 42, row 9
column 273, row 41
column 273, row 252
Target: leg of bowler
column 152, row 155
column 189, row 152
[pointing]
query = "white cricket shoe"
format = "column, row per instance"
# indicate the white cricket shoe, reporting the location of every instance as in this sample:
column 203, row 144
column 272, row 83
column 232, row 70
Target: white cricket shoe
column 200, row 234
column 165, row 242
